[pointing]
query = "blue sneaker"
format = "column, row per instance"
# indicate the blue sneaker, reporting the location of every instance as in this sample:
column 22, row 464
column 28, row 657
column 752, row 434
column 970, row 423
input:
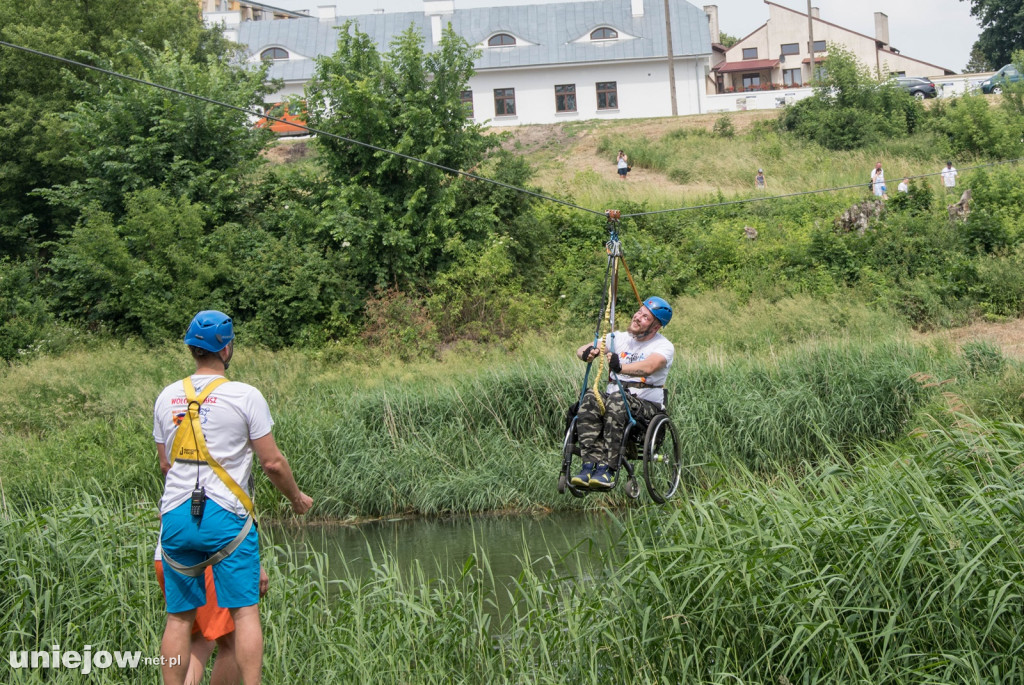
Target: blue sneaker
column 601, row 478
column 582, row 479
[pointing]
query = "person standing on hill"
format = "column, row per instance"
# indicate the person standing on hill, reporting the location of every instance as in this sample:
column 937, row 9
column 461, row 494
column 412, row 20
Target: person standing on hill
column 623, row 165
column 759, row 181
column 949, row 174
column 878, row 181
column 641, row 365
column 213, row 427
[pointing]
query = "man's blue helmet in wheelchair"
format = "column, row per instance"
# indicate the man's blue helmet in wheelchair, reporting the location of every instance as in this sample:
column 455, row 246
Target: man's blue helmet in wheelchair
column 211, row 330
column 661, row 309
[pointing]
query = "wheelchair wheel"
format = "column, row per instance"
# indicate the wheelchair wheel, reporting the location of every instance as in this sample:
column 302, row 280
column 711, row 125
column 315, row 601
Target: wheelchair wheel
column 662, row 463
column 571, row 462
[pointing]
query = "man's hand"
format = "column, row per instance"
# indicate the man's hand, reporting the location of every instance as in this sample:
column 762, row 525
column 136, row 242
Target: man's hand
column 614, row 364
column 588, row 353
column 302, row 503
column 264, row 581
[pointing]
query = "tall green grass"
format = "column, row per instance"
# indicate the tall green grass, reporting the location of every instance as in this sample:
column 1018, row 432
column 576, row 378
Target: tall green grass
column 902, row 567
column 457, row 438
column 762, row 385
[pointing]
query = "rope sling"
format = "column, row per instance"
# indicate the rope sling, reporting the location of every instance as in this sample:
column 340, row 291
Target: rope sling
column 610, row 295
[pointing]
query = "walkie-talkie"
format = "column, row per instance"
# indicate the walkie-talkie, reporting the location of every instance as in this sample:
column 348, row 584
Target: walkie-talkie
column 198, row 501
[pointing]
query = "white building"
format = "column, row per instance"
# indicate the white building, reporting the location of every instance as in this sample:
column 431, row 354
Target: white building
column 538, row 63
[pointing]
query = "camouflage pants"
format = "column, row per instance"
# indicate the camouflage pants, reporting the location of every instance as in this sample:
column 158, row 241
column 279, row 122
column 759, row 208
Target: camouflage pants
column 599, row 436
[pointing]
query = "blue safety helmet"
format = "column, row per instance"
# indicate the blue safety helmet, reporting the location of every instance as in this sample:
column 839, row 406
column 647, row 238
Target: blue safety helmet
column 661, row 309
column 211, row 330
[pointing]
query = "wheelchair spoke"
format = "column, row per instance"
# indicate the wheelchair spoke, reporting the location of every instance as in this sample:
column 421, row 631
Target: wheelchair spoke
column 662, row 462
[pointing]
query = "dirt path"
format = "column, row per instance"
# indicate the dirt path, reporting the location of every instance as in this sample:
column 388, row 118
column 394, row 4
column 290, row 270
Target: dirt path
column 575, row 145
column 1008, row 335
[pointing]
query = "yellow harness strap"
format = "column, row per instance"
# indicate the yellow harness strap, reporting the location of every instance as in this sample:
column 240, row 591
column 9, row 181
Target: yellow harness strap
column 201, row 454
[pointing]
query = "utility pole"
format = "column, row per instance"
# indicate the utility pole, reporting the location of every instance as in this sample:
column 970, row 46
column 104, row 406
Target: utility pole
column 810, row 37
column 671, row 64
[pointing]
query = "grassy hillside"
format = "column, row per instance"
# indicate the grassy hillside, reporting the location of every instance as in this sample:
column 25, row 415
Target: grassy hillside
column 677, row 161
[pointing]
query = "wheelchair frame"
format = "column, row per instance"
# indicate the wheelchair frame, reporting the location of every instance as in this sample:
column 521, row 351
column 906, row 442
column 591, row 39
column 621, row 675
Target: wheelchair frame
column 662, row 465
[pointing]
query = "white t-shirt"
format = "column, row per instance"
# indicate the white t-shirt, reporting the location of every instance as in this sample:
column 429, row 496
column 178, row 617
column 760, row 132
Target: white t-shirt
column 903, row 187
column 949, row 176
column 232, row 417
column 622, row 163
column 630, row 351
column 878, row 177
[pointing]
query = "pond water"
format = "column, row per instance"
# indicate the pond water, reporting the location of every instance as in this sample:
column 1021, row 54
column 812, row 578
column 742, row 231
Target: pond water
column 569, row 543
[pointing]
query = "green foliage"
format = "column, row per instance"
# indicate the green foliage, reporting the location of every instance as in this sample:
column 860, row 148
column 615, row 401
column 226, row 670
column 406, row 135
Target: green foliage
column 977, row 62
column 983, row 358
column 1002, row 26
column 124, row 136
column 396, row 214
column 971, row 126
column 850, row 109
column 1000, row 283
column 143, row 275
column 482, row 296
column 24, row 312
column 917, row 200
column 37, row 91
column 723, row 127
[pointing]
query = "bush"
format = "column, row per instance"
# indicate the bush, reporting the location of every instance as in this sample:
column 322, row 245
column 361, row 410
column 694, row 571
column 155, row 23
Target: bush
column 723, row 127
column 971, row 126
column 24, row 311
column 849, row 108
column 917, row 200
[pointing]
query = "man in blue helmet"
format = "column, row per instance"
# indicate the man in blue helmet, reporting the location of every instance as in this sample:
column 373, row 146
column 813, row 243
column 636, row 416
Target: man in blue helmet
column 206, row 430
column 642, row 359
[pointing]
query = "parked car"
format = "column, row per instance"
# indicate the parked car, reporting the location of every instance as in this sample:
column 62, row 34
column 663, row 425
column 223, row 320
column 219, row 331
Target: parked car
column 997, row 81
column 918, row 86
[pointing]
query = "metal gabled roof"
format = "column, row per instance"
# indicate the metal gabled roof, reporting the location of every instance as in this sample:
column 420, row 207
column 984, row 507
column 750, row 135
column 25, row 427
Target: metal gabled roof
column 551, row 32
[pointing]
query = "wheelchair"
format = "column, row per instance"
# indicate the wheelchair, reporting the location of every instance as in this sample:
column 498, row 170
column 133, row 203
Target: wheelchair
column 657, row 444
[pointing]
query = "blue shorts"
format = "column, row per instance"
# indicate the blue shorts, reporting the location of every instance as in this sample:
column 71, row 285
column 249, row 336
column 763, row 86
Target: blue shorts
column 189, row 541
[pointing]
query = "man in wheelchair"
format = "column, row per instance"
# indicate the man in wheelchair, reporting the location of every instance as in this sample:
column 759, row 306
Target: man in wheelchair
column 642, row 359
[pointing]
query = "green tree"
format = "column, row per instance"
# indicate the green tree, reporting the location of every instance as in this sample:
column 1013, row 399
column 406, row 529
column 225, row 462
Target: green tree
column 727, row 40
column 1002, row 29
column 125, row 136
column 396, row 215
column 850, row 108
column 977, row 62
column 142, row 275
column 34, row 91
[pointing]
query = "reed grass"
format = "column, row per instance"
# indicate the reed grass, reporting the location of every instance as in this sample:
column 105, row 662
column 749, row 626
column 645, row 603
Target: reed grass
column 904, row 566
column 464, row 438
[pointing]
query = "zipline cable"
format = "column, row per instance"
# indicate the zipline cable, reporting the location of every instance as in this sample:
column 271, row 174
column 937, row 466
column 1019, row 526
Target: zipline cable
column 318, row 132
column 451, row 170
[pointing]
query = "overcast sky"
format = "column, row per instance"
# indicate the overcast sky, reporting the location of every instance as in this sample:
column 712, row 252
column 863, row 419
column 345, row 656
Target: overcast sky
column 937, row 31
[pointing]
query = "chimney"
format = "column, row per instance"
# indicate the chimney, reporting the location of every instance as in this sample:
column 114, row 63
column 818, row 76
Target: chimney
column 437, row 10
column 882, row 29
column 816, row 12
column 638, row 7
column 326, row 12
column 712, row 12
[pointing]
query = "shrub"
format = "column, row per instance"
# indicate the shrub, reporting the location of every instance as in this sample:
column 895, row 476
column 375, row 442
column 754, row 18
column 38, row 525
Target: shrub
column 850, row 109
column 971, row 126
column 399, row 325
column 723, row 127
